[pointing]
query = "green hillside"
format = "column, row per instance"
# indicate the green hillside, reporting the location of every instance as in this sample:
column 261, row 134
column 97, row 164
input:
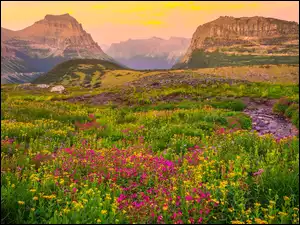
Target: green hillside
column 81, row 72
column 202, row 59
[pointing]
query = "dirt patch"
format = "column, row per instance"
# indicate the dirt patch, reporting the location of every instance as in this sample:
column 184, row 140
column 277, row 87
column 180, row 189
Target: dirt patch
column 265, row 121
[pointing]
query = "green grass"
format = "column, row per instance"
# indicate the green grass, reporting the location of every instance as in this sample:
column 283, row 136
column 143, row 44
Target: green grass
column 202, row 59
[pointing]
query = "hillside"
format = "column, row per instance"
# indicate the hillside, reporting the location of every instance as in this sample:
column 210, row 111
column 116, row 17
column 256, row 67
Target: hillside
column 81, row 72
column 242, row 41
column 102, row 74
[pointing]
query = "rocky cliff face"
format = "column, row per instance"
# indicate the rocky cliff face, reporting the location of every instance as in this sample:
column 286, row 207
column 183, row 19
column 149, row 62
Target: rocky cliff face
column 152, row 53
column 244, row 31
column 49, row 41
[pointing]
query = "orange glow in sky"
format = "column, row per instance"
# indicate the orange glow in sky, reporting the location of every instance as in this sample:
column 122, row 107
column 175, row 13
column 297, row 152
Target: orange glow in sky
column 110, row 22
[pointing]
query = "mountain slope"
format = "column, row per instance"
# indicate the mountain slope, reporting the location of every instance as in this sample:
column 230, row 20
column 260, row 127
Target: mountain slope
column 47, row 42
column 266, row 40
column 152, row 53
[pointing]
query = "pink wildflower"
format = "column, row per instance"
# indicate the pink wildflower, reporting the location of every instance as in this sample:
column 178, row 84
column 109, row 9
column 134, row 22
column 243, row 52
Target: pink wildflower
column 259, row 172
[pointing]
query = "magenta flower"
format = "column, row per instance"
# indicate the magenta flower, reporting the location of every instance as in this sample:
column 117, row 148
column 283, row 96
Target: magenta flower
column 200, row 220
column 189, row 198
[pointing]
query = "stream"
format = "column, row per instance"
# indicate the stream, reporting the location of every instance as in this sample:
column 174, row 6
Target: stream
column 265, row 121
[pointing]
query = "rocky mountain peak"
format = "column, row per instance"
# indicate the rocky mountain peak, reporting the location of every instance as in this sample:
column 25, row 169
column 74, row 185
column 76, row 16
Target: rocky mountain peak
column 53, row 39
column 63, row 17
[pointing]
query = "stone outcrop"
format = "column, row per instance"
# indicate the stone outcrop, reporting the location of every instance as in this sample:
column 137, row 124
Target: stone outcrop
column 228, row 31
column 59, row 89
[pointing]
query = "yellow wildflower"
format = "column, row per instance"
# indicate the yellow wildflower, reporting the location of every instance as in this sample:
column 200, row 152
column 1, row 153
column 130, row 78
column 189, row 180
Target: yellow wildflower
column 98, row 221
column 66, row 210
column 32, row 190
column 13, row 185
column 283, row 213
column 32, row 209
column 259, row 221
column 230, row 209
column 103, row 212
column 272, row 202
column 21, row 202
column 257, row 204
column 165, row 207
column 35, row 198
column 237, row 222
column 286, row 198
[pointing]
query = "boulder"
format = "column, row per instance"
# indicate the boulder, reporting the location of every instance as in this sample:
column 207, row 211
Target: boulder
column 43, row 86
column 59, row 88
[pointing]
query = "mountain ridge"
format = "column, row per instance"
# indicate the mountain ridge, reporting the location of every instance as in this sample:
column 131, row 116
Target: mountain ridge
column 149, row 53
column 229, row 31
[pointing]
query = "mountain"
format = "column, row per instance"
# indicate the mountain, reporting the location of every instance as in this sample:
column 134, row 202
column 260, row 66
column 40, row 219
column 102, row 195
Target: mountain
column 228, row 40
column 47, row 42
column 79, row 72
column 152, row 53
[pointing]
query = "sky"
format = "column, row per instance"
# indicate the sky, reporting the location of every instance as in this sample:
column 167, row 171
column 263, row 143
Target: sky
column 112, row 21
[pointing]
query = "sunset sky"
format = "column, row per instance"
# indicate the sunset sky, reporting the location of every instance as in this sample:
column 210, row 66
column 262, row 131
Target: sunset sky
column 110, row 22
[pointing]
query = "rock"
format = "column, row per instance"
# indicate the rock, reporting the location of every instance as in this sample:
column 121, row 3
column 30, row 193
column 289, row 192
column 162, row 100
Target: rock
column 59, row 88
column 25, row 86
column 43, row 86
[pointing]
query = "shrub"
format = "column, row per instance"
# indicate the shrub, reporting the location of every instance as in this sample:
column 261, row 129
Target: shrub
column 282, row 105
column 290, row 110
column 295, row 118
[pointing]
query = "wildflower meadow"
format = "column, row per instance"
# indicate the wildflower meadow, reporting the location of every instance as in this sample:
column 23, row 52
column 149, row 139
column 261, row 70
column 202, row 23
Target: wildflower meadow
column 67, row 162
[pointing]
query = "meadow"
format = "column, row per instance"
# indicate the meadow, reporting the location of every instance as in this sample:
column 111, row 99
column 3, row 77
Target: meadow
column 175, row 154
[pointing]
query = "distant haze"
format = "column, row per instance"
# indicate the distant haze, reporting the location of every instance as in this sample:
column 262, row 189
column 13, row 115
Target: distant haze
column 112, row 22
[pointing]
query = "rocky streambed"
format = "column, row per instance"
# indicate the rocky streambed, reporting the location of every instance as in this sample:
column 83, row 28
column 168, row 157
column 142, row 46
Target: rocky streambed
column 265, row 121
